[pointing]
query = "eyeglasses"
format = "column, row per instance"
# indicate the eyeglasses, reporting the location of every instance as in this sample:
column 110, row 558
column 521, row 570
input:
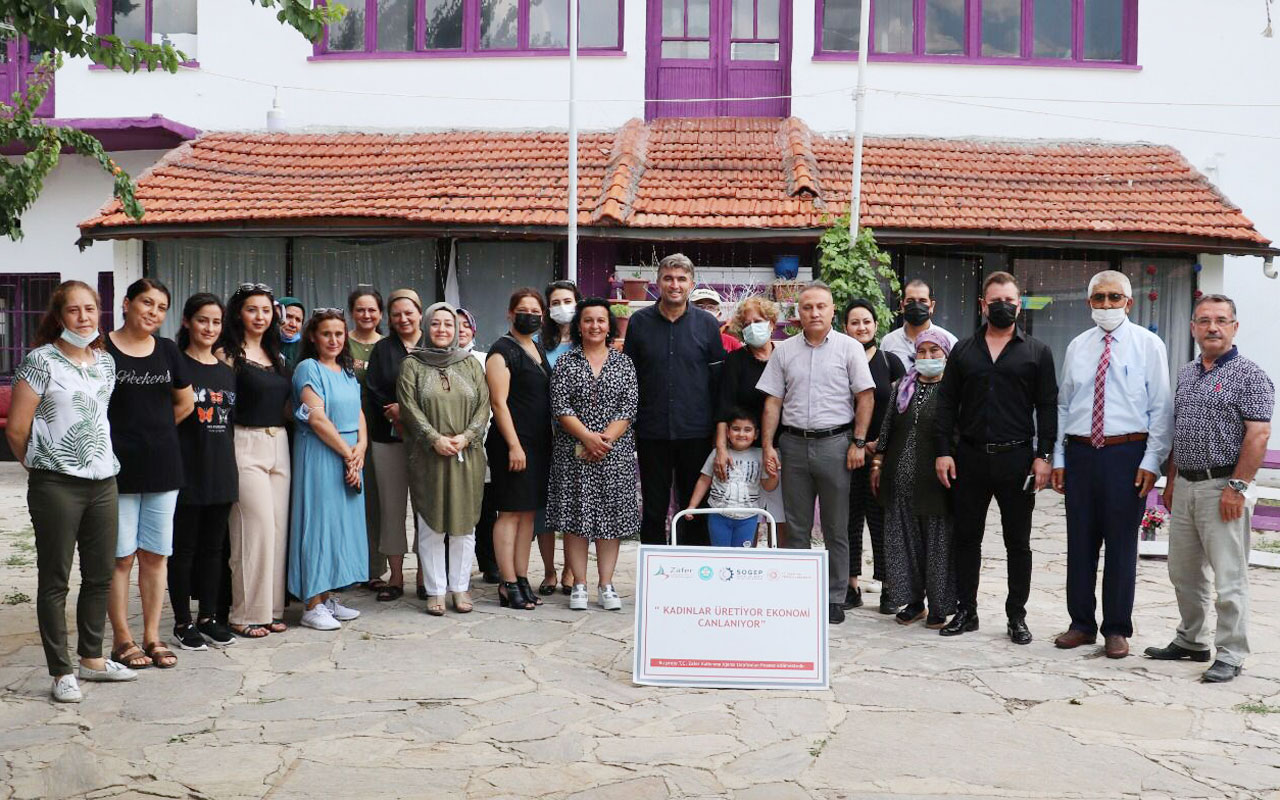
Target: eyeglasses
column 1102, row 297
column 1204, row 322
column 317, row 312
column 255, row 287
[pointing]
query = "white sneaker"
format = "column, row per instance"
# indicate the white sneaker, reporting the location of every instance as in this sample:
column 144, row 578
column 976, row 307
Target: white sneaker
column 340, row 612
column 870, row 585
column 320, row 618
column 111, row 672
column 66, row 690
column 609, row 599
column 578, row 598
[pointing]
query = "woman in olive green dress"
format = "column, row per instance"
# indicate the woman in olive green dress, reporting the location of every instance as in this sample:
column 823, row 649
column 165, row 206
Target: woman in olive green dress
column 364, row 307
column 444, row 408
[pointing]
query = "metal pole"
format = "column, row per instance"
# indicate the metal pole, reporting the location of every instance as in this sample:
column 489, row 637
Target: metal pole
column 860, row 107
column 571, row 266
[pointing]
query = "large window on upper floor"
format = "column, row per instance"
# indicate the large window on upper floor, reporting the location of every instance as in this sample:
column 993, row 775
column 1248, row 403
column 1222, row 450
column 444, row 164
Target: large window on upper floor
column 170, row 22
column 391, row 28
column 1041, row 32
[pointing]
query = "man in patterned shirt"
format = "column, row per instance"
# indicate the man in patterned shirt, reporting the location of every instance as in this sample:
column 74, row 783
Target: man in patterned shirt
column 1221, row 422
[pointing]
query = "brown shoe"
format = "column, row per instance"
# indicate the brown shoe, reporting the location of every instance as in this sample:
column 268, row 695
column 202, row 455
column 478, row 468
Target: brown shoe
column 1074, row 638
column 1116, row 646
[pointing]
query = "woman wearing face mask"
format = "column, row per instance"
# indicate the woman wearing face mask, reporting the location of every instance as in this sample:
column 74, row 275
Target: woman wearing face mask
column 390, row 454
column 364, row 305
column 562, row 299
column 755, row 318
column 918, row 524
column 444, row 408
column 152, row 396
column 860, row 323
column 518, row 447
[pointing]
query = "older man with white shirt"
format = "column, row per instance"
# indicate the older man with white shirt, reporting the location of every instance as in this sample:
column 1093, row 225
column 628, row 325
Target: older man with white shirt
column 1115, row 414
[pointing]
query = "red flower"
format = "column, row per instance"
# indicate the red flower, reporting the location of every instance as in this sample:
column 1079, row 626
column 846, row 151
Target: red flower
column 1198, row 294
column 1151, row 269
column 1153, row 295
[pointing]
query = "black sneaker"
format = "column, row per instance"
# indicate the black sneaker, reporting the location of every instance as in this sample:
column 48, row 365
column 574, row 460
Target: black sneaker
column 853, row 597
column 188, row 637
column 216, row 633
column 835, row 613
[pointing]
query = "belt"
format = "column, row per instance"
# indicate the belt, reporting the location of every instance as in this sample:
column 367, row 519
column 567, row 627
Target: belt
column 1107, row 441
column 824, row 433
column 991, row 448
column 1196, row 475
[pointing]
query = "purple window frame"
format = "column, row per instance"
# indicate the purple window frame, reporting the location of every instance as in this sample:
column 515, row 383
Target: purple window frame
column 105, row 26
column 470, row 38
column 973, row 40
column 18, row 69
column 30, row 292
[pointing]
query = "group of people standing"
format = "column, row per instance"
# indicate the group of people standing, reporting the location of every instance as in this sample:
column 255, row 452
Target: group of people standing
column 268, row 453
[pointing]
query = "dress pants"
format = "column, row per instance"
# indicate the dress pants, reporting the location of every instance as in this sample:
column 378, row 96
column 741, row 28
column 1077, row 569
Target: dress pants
column 1103, row 508
column 661, row 460
column 980, row 476
column 392, row 464
column 259, row 526
column 815, row 469
column 446, row 566
column 1199, row 541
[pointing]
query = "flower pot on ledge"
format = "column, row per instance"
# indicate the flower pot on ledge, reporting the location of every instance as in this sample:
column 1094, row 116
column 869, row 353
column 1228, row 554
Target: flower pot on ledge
column 635, row 289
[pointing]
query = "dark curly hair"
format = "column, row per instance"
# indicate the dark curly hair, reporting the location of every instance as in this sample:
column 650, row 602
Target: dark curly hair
column 575, row 329
column 345, row 359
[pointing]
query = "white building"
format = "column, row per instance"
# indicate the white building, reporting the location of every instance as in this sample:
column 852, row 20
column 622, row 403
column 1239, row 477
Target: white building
column 1195, row 77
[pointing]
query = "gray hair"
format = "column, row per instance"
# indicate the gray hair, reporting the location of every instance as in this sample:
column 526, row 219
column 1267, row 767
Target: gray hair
column 816, row 284
column 676, row 261
column 1213, row 298
column 1111, row 276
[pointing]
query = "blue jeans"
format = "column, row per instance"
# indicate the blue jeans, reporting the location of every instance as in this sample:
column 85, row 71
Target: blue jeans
column 729, row 532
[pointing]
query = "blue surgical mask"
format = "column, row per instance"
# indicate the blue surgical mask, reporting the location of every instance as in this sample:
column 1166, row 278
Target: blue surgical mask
column 757, row 334
column 76, row 340
column 930, row 367
column 287, row 339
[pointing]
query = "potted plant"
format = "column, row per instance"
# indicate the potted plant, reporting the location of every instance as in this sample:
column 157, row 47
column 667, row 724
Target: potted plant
column 1152, row 521
column 786, row 291
column 635, row 287
column 622, row 313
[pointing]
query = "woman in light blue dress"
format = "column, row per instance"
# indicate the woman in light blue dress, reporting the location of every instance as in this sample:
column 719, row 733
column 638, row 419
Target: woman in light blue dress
column 328, row 548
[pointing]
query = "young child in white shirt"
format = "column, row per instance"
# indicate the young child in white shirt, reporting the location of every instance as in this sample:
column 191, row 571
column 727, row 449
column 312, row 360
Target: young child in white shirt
column 741, row 489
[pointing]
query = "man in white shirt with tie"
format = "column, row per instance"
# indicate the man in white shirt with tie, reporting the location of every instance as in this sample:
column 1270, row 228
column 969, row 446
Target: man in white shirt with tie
column 1115, row 417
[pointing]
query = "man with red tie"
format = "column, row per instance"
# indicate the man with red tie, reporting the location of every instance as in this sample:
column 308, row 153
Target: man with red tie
column 1115, row 411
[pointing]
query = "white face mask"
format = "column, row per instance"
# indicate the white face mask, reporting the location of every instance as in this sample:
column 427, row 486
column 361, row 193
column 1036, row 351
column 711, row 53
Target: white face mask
column 562, row 314
column 757, row 334
column 76, row 340
column 930, row 367
column 1108, row 318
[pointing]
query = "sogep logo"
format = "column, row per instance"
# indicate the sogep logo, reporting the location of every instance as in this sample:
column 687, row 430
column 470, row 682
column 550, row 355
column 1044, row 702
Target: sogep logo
column 726, row 574
column 706, row 573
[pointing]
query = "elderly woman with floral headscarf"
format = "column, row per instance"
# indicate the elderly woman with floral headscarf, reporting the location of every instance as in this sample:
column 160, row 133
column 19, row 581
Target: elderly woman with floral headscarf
column 918, row 523
column 444, row 408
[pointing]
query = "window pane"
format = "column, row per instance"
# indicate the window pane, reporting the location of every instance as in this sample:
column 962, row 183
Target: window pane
column 699, row 18
column 840, row 21
column 1052, row 29
column 1104, row 30
column 498, row 21
column 444, row 24
column 173, row 22
column 754, row 51
column 944, row 27
column 744, row 15
column 767, row 19
column 686, row 49
column 395, row 25
column 673, row 17
column 598, row 23
column 894, row 26
column 347, row 34
column 549, row 23
column 129, row 19
column 1002, row 28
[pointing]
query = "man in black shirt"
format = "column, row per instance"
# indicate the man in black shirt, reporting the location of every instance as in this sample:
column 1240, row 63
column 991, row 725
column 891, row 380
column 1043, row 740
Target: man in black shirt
column 995, row 381
column 676, row 349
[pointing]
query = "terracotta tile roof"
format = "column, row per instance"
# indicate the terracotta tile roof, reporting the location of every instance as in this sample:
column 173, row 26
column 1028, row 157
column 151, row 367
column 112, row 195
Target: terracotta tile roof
column 720, row 173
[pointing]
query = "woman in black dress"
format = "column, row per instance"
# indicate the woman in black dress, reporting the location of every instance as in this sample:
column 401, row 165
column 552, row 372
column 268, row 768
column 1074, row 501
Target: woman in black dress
column 519, row 442
column 860, row 323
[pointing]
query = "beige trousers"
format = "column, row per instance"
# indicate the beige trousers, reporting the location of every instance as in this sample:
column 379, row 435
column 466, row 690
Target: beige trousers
column 259, row 526
column 391, row 462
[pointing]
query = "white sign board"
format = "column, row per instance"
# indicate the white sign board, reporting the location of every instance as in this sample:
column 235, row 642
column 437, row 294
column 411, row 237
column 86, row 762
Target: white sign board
column 731, row 617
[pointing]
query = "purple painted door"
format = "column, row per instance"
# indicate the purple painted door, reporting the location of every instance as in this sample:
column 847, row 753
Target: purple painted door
column 713, row 51
column 17, row 67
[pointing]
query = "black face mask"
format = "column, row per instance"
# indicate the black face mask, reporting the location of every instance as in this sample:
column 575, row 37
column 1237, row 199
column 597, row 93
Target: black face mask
column 1001, row 314
column 916, row 313
column 526, row 324
column 870, row 344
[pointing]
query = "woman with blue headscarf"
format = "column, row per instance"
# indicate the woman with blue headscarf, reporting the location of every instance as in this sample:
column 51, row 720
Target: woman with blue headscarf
column 918, row 523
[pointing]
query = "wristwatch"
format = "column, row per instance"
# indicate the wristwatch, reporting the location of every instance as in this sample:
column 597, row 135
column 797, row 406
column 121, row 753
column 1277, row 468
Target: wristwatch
column 859, row 442
column 1239, row 485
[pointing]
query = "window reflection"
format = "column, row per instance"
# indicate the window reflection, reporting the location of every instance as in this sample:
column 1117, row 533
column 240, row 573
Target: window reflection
column 944, row 27
column 1052, row 29
column 841, row 20
column 1001, row 28
column 396, row 25
column 1104, row 30
column 894, row 26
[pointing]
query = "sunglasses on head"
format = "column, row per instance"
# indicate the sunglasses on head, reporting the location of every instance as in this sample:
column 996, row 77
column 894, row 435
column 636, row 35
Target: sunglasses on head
column 255, row 287
column 1102, row 297
column 317, row 312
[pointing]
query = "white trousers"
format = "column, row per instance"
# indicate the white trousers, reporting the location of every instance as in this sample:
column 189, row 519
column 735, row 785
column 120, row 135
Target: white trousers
column 431, row 557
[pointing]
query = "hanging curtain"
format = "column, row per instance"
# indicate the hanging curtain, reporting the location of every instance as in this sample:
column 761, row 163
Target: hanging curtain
column 188, row 266
column 1173, row 281
column 487, row 273
column 326, row 270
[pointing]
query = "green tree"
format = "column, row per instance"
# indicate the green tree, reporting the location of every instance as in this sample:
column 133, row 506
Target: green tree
column 860, row 271
column 66, row 28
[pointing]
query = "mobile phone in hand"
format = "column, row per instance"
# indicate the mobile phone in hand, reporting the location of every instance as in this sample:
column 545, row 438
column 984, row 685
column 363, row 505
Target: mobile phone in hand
column 1029, row 485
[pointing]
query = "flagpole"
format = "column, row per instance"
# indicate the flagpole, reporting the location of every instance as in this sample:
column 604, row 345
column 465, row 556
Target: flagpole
column 860, row 107
column 571, row 259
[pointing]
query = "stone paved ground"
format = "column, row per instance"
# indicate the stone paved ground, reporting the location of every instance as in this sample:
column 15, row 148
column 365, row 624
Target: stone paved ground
column 519, row 705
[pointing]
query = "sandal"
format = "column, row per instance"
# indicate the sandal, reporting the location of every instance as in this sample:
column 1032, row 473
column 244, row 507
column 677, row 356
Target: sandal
column 548, row 586
column 375, row 585
column 510, row 595
column 161, row 656
column 390, row 592
column 250, row 631
column 435, row 605
column 132, row 656
column 277, row 626
column 461, row 602
column 566, row 587
column 528, row 591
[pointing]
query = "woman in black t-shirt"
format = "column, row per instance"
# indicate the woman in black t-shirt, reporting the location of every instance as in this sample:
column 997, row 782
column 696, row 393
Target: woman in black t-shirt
column 259, row 530
column 209, row 463
column 152, row 396
column 860, row 323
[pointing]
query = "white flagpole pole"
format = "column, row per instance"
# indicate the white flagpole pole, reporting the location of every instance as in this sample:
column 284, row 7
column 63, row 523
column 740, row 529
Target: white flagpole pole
column 860, row 107
column 571, row 266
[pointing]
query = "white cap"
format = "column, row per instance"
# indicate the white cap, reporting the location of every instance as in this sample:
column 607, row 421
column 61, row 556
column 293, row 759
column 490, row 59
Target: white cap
column 704, row 293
